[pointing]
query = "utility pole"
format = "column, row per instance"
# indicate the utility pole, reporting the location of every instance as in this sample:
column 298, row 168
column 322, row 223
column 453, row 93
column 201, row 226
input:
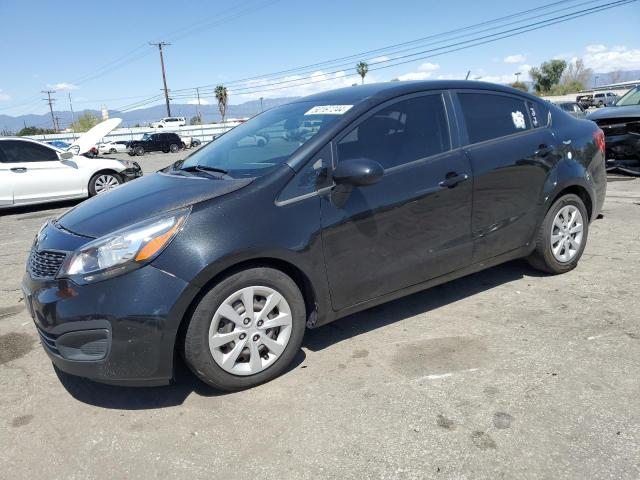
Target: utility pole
column 517, row 74
column 57, row 123
column 164, row 77
column 50, row 102
column 72, row 116
column 261, row 106
column 199, row 114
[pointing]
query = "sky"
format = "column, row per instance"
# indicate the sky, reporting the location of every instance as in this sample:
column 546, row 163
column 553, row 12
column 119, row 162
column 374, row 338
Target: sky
column 99, row 53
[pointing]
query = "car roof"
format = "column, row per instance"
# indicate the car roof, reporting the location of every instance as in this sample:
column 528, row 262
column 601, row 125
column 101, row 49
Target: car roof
column 381, row 91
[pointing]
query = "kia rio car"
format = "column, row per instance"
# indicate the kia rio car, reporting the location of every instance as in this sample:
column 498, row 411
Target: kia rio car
column 228, row 257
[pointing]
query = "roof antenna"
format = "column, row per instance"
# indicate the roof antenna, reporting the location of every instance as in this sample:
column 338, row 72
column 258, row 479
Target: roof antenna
column 468, row 73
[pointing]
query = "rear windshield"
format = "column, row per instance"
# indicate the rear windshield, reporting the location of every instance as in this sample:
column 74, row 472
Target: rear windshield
column 261, row 144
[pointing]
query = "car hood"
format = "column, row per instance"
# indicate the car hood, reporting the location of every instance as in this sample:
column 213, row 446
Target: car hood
column 140, row 199
column 615, row 112
column 89, row 139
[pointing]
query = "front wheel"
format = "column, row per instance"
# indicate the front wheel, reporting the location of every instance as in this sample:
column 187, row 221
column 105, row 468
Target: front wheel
column 246, row 330
column 173, row 148
column 102, row 182
column 562, row 236
column 139, row 151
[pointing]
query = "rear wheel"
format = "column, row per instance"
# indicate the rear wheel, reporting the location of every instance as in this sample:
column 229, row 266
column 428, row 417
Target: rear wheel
column 562, row 236
column 102, row 182
column 246, row 330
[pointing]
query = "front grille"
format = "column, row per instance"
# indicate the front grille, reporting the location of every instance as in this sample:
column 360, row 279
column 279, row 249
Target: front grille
column 45, row 264
column 619, row 126
column 48, row 341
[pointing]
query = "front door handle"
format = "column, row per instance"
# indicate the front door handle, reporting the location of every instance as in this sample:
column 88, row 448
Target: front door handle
column 19, row 169
column 452, row 179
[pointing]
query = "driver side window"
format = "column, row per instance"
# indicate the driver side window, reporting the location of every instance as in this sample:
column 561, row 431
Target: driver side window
column 17, row 151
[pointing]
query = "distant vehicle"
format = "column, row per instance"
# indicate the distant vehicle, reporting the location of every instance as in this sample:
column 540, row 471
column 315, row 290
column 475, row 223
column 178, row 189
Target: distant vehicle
column 169, row 122
column 585, row 100
column 34, row 172
column 572, row 108
column 604, row 99
column 253, row 141
column 621, row 126
column 59, row 144
column 119, row 146
column 155, row 142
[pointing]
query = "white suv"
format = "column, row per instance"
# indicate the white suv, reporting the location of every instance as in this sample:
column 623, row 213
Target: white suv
column 168, row 122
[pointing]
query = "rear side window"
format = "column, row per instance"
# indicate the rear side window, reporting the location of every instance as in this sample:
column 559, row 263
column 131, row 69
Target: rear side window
column 406, row 131
column 488, row 116
column 540, row 113
column 16, row 151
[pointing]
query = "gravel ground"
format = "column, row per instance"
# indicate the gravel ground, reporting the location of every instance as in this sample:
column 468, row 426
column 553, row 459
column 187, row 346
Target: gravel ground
column 503, row 374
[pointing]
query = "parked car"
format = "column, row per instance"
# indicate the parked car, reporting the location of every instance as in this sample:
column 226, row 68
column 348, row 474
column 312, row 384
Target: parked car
column 155, row 142
column 230, row 256
column 604, row 99
column 169, row 122
column 58, row 144
column 118, row 146
column 572, row 108
column 585, row 100
column 33, row 172
column 621, row 126
column 254, row 140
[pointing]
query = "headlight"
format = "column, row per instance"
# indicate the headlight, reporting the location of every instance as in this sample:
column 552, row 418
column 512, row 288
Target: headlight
column 123, row 250
column 127, row 163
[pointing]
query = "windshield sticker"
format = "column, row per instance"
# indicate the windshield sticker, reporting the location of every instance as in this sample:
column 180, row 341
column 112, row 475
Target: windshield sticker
column 518, row 119
column 329, row 110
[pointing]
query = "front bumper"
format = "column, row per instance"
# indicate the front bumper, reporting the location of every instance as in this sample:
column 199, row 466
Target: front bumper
column 119, row 331
column 132, row 173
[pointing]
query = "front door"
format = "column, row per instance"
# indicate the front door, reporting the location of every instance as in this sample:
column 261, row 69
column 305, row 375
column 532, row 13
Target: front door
column 415, row 223
column 511, row 150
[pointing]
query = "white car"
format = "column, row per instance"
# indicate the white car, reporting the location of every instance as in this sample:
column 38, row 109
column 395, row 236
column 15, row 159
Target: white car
column 169, row 122
column 119, row 146
column 33, row 172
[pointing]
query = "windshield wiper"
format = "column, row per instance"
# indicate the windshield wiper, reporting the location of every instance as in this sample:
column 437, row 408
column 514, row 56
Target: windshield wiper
column 205, row 169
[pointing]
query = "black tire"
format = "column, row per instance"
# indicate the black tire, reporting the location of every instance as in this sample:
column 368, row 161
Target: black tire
column 139, row 151
column 542, row 257
column 113, row 150
column 195, row 347
column 173, row 148
column 165, row 150
column 92, row 182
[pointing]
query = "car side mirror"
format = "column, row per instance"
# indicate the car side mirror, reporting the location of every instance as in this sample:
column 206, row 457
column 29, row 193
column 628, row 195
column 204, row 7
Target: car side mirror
column 66, row 155
column 358, row 172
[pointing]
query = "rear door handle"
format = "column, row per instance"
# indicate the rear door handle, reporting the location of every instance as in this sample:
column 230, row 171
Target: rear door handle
column 452, row 179
column 19, row 169
column 544, row 150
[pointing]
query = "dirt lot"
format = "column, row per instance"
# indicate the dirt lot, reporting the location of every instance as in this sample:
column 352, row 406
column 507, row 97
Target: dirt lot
column 503, row 374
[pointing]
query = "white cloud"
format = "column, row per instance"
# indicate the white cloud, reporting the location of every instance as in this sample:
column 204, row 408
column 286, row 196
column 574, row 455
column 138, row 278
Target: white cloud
column 517, row 58
column 596, row 48
column 608, row 59
column 428, row 67
column 203, row 101
column 382, row 58
column 62, row 86
column 4, row 96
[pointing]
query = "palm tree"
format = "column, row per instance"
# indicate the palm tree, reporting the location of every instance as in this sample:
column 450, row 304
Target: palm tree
column 223, row 97
column 362, row 68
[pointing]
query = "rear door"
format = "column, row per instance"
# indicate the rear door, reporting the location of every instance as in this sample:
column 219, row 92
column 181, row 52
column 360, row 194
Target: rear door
column 511, row 150
column 37, row 174
column 409, row 227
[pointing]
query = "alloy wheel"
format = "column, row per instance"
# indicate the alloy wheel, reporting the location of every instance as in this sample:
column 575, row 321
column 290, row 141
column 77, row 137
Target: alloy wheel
column 105, row 182
column 566, row 233
column 250, row 330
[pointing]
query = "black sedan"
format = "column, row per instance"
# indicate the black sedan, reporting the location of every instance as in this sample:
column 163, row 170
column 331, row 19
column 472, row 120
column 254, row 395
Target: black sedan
column 621, row 126
column 230, row 256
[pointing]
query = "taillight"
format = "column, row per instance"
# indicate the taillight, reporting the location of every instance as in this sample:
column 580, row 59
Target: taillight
column 598, row 136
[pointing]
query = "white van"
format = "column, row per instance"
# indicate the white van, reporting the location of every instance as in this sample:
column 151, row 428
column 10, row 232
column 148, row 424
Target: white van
column 169, row 122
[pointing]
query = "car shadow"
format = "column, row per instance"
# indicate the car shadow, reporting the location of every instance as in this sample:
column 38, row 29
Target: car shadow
column 40, row 210
column 186, row 383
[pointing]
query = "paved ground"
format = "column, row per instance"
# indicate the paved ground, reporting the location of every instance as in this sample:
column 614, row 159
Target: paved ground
column 503, row 374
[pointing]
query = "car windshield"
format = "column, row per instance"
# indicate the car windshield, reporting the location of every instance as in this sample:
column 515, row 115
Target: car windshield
column 146, row 136
column 259, row 145
column 632, row 97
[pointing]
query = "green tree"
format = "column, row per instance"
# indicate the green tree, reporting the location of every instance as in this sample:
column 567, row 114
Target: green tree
column 85, row 122
column 548, row 75
column 195, row 121
column 362, row 68
column 520, row 86
column 27, row 131
column 223, row 98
